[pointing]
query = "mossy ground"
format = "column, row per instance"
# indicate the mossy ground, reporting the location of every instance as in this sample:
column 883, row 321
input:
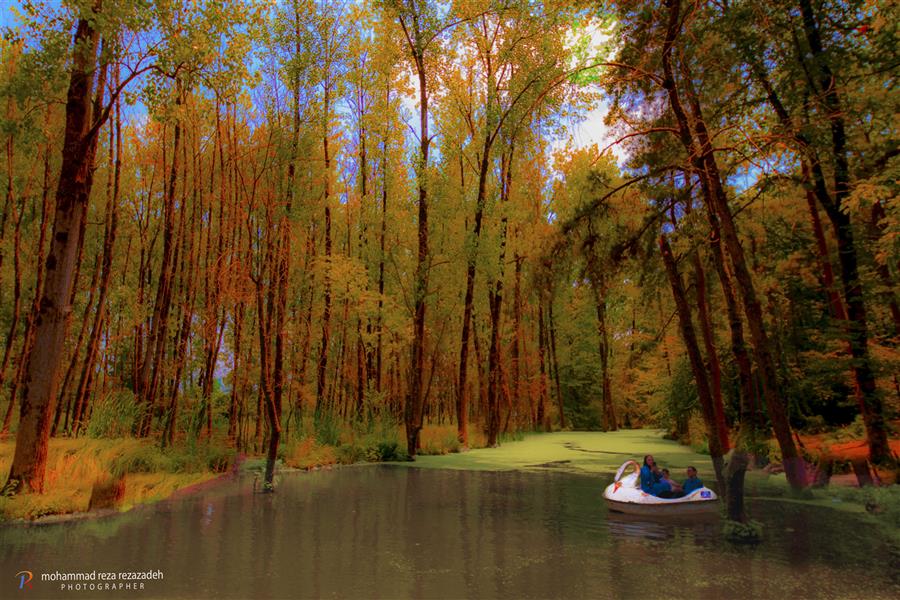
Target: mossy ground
column 576, row 451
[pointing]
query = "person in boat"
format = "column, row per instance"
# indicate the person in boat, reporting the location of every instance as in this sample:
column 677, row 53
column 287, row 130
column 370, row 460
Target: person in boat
column 675, row 488
column 651, row 478
column 692, row 482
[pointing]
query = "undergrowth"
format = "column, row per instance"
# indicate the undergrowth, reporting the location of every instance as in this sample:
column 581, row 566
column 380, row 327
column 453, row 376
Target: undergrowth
column 75, row 465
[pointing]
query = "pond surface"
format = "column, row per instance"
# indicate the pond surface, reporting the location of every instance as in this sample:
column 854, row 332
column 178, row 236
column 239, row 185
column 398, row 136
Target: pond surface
column 395, row 532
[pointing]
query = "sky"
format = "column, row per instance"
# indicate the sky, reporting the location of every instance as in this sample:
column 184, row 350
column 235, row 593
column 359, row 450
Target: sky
column 7, row 16
column 585, row 133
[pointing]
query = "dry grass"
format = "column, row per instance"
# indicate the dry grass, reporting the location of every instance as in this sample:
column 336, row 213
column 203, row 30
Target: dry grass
column 441, row 439
column 75, row 465
column 306, row 454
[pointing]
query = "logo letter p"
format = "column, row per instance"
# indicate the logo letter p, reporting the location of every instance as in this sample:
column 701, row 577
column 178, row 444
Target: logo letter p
column 25, row 578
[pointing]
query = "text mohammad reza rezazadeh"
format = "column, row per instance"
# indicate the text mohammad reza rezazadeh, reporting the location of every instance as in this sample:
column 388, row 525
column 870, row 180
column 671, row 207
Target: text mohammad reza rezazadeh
column 102, row 580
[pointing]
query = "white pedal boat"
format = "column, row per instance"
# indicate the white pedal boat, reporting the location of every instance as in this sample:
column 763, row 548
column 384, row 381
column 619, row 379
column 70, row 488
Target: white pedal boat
column 624, row 495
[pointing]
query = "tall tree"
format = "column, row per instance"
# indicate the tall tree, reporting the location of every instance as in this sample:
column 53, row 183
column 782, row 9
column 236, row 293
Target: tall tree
column 83, row 123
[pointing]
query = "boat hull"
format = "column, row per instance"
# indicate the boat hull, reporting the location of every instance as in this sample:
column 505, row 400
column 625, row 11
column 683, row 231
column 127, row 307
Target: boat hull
column 660, row 509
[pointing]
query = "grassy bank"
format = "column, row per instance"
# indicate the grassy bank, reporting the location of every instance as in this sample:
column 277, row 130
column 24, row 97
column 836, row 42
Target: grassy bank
column 74, row 466
column 149, row 473
column 380, row 442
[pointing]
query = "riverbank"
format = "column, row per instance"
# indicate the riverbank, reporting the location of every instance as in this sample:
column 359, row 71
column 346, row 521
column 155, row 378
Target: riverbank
column 144, row 473
column 128, row 472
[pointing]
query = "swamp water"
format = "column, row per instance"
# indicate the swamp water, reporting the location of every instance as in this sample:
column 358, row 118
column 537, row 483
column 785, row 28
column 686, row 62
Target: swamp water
column 397, row 532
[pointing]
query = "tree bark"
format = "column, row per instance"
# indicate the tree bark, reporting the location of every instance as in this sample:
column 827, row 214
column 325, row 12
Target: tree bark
column 85, row 381
column 712, row 355
column 462, row 408
column 151, row 368
column 704, row 162
column 495, row 301
column 322, row 368
column 554, row 364
column 73, row 191
column 543, row 380
column 692, row 347
column 871, row 404
column 415, row 399
column 17, row 291
column 28, row 337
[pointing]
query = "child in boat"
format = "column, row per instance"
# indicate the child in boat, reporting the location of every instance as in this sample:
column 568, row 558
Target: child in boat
column 651, row 478
column 675, row 489
column 692, row 482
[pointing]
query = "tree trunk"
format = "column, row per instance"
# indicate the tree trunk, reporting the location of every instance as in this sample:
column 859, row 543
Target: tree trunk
column 554, row 364
column 17, row 293
column 543, row 382
column 151, row 369
column 73, row 191
column 415, row 402
column 734, row 492
column 599, row 289
column 749, row 418
column 689, row 337
column 518, row 343
column 17, row 270
column 462, row 408
column 495, row 300
column 870, row 402
column 85, row 381
column 64, row 396
column 236, row 378
column 266, row 392
column 28, row 337
column 322, row 368
column 712, row 355
column 704, row 162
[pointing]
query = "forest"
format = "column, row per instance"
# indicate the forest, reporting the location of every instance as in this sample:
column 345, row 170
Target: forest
column 246, row 225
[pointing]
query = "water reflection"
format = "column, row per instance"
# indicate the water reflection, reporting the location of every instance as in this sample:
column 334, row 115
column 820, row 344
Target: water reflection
column 392, row 532
column 703, row 529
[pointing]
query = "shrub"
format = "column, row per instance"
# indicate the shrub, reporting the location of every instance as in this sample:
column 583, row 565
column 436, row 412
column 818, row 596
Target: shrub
column 328, row 430
column 512, row 436
column 701, row 446
column 219, row 459
column 141, row 458
column 743, row 533
column 113, row 415
column 387, row 450
column 307, row 453
column 438, row 439
column 350, row 453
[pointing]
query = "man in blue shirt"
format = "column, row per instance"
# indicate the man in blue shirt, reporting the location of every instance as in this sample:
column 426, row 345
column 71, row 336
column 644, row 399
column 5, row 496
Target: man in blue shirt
column 692, row 482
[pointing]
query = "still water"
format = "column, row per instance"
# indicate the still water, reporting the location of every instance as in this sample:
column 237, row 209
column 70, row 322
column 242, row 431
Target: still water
column 395, row 532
